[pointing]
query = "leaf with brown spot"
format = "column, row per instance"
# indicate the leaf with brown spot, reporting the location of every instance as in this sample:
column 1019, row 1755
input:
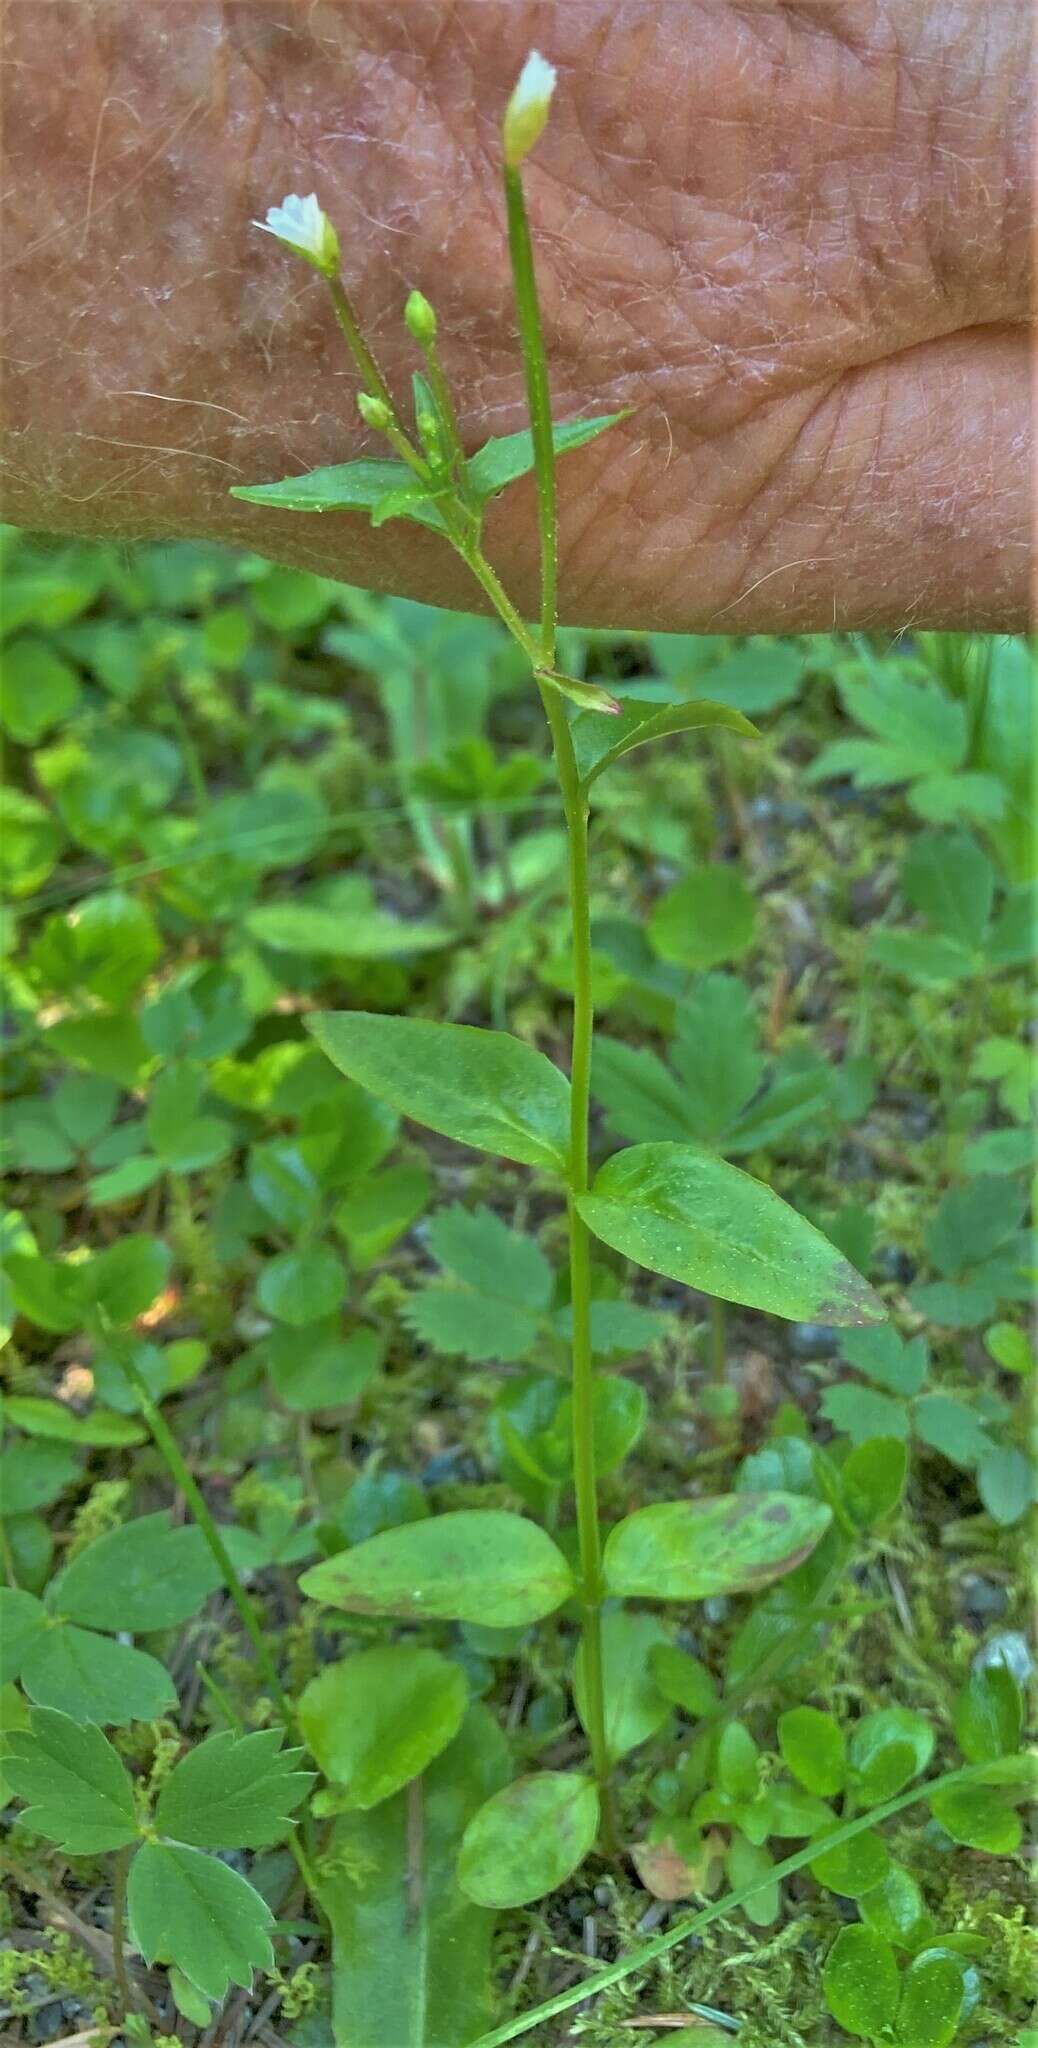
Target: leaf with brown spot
column 692, row 1549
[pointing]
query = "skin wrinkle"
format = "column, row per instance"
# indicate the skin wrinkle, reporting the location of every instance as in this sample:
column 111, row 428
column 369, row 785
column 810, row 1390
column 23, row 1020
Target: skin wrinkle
column 836, row 184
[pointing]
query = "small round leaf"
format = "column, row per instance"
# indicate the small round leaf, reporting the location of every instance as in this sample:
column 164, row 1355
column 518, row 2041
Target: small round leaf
column 860, row 1982
column 813, row 1747
column 375, row 1720
column 887, row 1749
column 528, row 1839
column 933, row 1993
column 855, row 1867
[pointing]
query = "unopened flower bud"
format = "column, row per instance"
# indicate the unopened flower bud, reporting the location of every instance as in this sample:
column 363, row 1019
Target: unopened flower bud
column 419, row 319
column 429, row 435
column 527, row 110
column 302, row 225
column 374, row 411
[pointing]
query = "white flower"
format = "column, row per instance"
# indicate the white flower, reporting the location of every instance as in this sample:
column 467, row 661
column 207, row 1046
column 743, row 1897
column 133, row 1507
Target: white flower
column 302, row 226
column 527, row 110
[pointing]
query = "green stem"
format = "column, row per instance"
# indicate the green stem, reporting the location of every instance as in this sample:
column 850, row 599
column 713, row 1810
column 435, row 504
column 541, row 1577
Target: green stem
column 371, row 375
column 584, row 1478
column 718, row 1340
column 120, row 1870
column 169, row 1450
column 693, row 1923
column 538, row 398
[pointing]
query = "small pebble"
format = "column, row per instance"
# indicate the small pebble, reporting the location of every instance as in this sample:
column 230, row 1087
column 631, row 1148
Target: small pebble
column 896, row 1265
column 983, row 1598
column 451, row 1466
column 1009, row 1648
column 813, row 1340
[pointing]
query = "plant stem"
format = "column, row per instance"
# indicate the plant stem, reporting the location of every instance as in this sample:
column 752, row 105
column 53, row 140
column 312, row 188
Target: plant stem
column 718, row 1340
column 584, row 1478
column 538, row 399
column 372, row 376
column 169, row 1450
column 120, row 1870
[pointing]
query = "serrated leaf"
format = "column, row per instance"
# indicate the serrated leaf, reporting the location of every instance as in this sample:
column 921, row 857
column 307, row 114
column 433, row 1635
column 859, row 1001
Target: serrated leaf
column 52, row 1420
column 233, row 1792
column 483, row 1088
column 490, row 1256
column 32, row 1476
column 459, row 1323
column 145, row 1575
column 951, row 882
column 682, row 1212
column 23, row 1621
column 95, row 1679
column 189, row 1909
column 882, row 1355
column 77, row 1790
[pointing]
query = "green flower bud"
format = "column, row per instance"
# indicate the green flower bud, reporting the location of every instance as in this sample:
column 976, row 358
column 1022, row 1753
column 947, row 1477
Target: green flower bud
column 374, row 411
column 419, row 319
column 527, row 110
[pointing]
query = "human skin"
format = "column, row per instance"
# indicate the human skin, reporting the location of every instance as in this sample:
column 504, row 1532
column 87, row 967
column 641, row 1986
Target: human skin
column 793, row 237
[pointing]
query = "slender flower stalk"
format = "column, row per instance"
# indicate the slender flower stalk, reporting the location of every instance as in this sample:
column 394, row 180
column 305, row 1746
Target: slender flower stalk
column 443, row 466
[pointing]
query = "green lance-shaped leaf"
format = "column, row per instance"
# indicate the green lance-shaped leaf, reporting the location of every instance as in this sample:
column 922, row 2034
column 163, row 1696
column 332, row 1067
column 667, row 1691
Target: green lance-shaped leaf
column 233, row 1792
column 411, row 1955
column 481, row 1565
column 528, row 1838
column 692, row 1549
column 685, row 1213
column 503, row 460
column 483, row 1088
column 77, row 1790
column 377, row 1719
column 363, row 486
column 186, row 1908
column 145, row 1575
column 860, row 1981
column 598, row 746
